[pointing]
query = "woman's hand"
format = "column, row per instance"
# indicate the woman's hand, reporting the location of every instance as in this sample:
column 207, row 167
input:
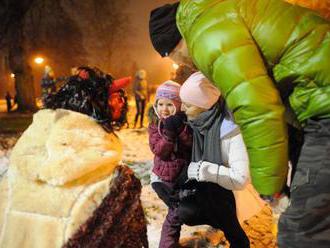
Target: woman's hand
column 203, row 171
column 193, row 170
column 209, row 172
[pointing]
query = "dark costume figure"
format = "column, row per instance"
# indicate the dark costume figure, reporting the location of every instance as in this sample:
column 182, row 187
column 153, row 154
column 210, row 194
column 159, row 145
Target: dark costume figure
column 8, row 101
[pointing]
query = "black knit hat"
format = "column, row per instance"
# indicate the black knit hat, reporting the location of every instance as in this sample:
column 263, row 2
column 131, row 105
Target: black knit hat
column 164, row 33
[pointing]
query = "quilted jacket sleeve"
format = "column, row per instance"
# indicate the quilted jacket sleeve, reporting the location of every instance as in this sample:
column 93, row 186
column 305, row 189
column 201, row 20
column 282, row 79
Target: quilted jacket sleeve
column 223, row 49
column 159, row 145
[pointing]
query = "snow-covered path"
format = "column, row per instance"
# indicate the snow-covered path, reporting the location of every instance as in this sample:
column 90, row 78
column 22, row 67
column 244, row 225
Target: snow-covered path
column 139, row 157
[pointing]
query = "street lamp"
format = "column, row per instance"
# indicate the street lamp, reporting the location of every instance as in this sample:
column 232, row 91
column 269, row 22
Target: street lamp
column 39, row 60
column 12, row 75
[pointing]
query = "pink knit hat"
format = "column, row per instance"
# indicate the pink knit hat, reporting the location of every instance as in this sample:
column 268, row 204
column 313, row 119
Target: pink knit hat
column 197, row 90
column 170, row 90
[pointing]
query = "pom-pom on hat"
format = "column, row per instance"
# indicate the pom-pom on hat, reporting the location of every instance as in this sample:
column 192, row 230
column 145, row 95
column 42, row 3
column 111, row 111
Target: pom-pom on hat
column 170, row 90
column 197, row 90
column 163, row 31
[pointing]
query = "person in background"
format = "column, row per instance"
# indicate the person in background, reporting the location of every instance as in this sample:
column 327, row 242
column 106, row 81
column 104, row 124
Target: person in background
column 271, row 61
column 8, row 101
column 141, row 94
column 48, row 86
column 170, row 140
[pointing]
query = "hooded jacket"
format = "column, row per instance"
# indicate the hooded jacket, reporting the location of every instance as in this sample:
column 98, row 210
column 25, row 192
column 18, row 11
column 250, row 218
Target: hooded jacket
column 257, row 51
column 171, row 156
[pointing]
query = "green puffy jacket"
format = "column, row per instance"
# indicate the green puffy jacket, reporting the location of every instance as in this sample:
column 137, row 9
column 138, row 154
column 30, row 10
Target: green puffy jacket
column 252, row 50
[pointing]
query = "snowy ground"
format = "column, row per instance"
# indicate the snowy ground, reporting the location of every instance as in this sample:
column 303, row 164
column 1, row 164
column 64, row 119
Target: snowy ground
column 138, row 156
column 6, row 144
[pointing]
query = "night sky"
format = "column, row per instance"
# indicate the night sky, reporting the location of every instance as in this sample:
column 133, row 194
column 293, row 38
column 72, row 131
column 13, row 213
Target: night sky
column 158, row 68
column 141, row 50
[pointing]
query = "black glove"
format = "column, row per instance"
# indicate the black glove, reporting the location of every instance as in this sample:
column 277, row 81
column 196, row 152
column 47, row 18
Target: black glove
column 169, row 196
column 175, row 123
column 181, row 179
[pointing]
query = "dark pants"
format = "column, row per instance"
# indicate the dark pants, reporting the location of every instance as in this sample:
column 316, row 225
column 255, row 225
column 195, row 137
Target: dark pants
column 170, row 233
column 8, row 102
column 215, row 206
column 306, row 222
column 296, row 141
column 140, row 106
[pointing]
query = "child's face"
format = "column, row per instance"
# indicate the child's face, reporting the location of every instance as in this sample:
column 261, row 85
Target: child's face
column 165, row 107
column 192, row 111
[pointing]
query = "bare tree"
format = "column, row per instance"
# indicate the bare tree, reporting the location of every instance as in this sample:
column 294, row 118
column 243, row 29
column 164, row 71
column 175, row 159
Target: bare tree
column 53, row 33
column 112, row 24
column 13, row 13
column 105, row 24
column 68, row 33
column 38, row 26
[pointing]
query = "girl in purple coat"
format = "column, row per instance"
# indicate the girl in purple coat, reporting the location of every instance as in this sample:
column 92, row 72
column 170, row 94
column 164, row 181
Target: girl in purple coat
column 170, row 139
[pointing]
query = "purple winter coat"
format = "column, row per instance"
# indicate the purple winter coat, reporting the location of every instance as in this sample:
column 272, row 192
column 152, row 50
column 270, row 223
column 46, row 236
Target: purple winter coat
column 170, row 156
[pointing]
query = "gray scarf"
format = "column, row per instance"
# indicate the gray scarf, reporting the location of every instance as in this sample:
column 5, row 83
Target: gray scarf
column 206, row 135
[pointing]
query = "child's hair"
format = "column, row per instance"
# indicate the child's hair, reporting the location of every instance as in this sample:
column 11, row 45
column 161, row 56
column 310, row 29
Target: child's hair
column 152, row 116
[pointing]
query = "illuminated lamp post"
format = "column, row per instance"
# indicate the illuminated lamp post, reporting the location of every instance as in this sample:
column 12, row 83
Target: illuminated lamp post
column 39, row 60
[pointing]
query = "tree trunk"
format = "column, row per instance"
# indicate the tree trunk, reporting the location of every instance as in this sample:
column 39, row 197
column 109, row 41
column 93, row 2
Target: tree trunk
column 26, row 100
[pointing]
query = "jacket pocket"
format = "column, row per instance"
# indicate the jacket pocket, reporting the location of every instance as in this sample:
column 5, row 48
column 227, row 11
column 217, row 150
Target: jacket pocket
column 301, row 177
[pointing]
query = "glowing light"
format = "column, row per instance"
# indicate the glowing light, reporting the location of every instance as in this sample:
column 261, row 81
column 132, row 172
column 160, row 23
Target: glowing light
column 175, row 66
column 12, row 75
column 39, row 60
